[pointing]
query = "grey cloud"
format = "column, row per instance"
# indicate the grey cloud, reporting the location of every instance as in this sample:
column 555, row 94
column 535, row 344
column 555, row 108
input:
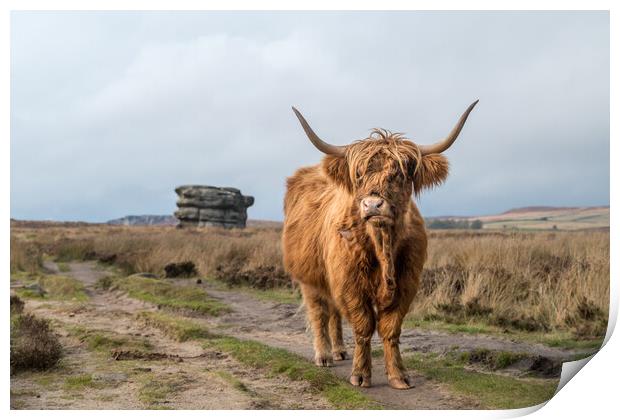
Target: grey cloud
column 110, row 111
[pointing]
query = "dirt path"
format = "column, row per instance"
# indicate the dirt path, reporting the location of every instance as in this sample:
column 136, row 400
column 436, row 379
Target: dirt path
column 197, row 379
column 284, row 325
column 287, row 322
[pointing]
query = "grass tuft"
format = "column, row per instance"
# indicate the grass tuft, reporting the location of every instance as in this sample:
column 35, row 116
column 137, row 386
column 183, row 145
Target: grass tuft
column 492, row 390
column 167, row 295
column 491, row 359
column 234, row 382
column 17, row 305
column 33, row 344
column 106, row 341
column 561, row 339
column 63, row 267
column 281, row 362
column 55, row 287
column 178, row 329
column 80, row 383
column 155, row 391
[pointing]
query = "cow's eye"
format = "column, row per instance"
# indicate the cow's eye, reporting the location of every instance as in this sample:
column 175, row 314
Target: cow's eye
column 394, row 177
column 411, row 168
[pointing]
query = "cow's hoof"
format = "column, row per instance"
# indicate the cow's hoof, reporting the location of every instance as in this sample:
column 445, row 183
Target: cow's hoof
column 324, row 361
column 400, row 383
column 340, row 355
column 359, row 380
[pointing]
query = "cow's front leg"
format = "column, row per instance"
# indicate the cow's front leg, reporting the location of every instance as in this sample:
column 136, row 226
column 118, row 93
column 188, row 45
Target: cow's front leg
column 317, row 310
column 361, row 316
column 389, row 327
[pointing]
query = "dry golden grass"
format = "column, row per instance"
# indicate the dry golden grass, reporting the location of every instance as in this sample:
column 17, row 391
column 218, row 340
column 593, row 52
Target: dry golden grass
column 530, row 281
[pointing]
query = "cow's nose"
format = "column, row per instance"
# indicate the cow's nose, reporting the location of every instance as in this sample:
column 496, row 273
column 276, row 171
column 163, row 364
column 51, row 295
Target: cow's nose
column 372, row 203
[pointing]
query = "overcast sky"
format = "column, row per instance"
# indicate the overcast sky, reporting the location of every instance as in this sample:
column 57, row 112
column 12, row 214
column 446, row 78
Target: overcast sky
column 111, row 110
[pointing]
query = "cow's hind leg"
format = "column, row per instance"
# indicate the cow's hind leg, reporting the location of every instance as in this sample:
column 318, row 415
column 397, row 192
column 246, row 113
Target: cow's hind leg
column 317, row 310
column 339, row 351
column 389, row 328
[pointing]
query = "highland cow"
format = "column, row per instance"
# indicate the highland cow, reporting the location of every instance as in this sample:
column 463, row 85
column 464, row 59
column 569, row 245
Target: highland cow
column 355, row 241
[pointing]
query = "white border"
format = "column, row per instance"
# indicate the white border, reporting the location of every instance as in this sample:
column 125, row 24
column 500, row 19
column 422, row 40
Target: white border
column 591, row 393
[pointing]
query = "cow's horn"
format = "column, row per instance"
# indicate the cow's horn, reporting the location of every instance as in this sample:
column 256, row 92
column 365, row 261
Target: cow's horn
column 444, row 144
column 328, row 149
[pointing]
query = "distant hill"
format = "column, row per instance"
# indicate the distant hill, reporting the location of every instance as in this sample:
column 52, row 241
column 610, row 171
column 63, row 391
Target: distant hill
column 538, row 209
column 533, row 218
column 145, row 220
column 543, row 218
column 264, row 223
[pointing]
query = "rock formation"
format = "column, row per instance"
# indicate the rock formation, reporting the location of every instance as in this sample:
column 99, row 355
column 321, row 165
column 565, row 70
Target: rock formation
column 202, row 205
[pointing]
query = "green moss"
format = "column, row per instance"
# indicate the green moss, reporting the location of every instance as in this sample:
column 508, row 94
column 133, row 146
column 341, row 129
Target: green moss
column 80, row 383
column 562, row 339
column 276, row 294
column 281, row 362
column 23, row 393
column 104, row 283
column 154, row 391
column 24, row 276
column 257, row 355
column 376, row 352
column 493, row 391
column 179, row 329
column 46, row 380
column 503, row 359
column 572, row 343
column 55, row 287
column 105, row 341
column 280, row 295
column 63, row 267
column 490, row 358
column 465, row 328
column 168, row 295
column 234, row 382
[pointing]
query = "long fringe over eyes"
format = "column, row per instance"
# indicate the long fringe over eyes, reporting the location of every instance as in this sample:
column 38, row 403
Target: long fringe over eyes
column 361, row 152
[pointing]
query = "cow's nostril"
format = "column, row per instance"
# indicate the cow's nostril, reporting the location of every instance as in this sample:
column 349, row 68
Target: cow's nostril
column 372, row 203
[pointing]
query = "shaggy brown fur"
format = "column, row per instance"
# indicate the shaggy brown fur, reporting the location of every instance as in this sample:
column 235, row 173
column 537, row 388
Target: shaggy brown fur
column 368, row 272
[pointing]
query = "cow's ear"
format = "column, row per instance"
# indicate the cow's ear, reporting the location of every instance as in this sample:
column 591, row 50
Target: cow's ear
column 432, row 170
column 337, row 170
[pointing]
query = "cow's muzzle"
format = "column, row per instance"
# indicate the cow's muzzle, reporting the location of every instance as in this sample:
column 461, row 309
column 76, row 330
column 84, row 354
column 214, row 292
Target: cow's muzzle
column 375, row 210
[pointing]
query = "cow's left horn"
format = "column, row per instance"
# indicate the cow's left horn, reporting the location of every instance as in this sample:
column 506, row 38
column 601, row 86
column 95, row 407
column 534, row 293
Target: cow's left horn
column 328, row 149
column 444, row 144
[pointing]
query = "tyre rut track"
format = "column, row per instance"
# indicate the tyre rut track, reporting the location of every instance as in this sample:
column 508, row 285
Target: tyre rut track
column 192, row 369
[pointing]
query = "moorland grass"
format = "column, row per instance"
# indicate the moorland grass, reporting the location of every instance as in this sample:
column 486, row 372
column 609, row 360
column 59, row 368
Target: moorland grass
column 560, row 339
column 526, row 281
column 493, row 391
column 177, row 328
column 167, row 295
column 50, row 286
column 106, row 341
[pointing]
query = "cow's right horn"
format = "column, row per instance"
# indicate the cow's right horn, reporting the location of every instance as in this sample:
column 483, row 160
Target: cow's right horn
column 328, row 149
column 444, row 144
